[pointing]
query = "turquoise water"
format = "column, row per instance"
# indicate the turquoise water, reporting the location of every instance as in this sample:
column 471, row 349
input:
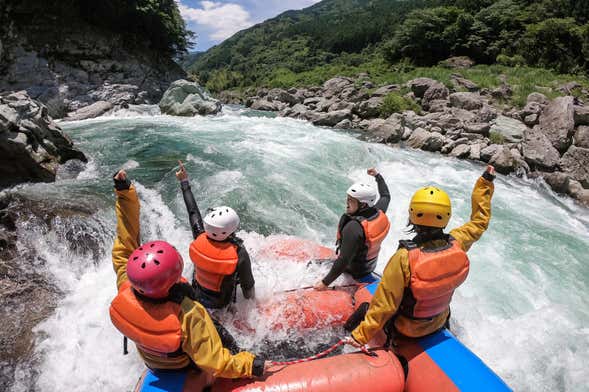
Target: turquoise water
column 524, row 308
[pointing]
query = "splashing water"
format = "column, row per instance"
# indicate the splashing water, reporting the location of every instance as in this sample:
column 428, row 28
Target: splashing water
column 523, row 309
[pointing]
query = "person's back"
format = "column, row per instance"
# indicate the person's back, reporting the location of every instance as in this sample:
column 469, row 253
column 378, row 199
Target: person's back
column 221, row 262
column 155, row 306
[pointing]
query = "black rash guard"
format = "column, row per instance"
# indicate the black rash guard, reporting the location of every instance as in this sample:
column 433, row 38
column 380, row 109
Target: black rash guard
column 243, row 273
column 352, row 251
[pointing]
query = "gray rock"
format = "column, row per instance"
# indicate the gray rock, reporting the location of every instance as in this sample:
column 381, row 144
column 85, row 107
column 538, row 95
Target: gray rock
column 581, row 115
column 428, row 141
column 265, row 105
column 438, row 105
column 557, row 122
column 461, row 83
column 185, row 98
column 386, row 131
column 538, row 98
column 461, row 151
column 503, row 160
column 577, row 191
column 466, row 101
column 582, row 136
column 436, row 91
column 475, row 151
column 406, row 133
column 575, row 163
column 311, row 102
column 385, row 90
column 332, row 118
column 280, row 95
column 420, row 85
column 532, row 108
column 91, row 111
column 324, row 104
column 559, row 182
column 336, row 85
column 531, row 120
column 340, row 105
column 452, row 144
column 480, row 128
column 458, row 62
column 344, row 124
column 486, row 114
column 488, row 152
column 32, row 146
column 538, row 151
column 369, row 108
column 512, row 130
column 298, row 110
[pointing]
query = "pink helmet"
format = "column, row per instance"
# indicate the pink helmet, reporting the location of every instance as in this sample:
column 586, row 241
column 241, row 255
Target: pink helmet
column 154, row 267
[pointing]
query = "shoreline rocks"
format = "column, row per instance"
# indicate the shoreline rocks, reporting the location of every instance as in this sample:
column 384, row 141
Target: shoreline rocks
column 184, row 98
column 32, row 146
column 547, row 139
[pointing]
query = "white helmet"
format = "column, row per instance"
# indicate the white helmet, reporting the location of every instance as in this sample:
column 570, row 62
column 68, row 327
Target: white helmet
column 364, row 193
column 221, row 222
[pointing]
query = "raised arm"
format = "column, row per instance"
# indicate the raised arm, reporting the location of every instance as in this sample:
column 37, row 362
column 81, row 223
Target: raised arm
column 480, row 216
column 194, row 216
column 127, row 239
column 383, row 190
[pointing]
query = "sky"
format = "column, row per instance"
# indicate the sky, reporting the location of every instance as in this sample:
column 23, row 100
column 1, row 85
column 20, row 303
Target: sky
column 214, row 21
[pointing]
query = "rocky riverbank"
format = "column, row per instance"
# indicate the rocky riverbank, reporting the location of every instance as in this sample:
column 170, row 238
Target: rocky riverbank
column 546, row 138
column 76, row 69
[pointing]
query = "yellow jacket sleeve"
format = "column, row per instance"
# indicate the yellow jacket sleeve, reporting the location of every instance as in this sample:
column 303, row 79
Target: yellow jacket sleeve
column 202, row 343
column 387, row 298
column 480, row 216
column 127, row 239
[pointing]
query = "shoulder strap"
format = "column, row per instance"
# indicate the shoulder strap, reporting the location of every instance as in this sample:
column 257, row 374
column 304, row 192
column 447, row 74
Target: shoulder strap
column 181, row 290
column 407, row 244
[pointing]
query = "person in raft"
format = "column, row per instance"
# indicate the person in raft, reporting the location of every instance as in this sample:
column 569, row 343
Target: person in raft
column 155, row 308
column 420, row 278
column 220, row 259
column 360, row 231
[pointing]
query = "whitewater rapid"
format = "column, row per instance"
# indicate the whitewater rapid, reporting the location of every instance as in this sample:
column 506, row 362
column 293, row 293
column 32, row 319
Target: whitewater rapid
column 523, row 309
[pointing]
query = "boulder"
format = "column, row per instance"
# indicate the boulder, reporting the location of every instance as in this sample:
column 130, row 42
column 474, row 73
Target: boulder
column 369, row 108
column 531, row 120
column 577, row 191
column 581, row 115
column 486, row 114
column 184, row 98
column 532, row 108
column 460, row 83
column 436, row 91
column 479, row 128
column 386, row 131
column 91, row 111
column 538, row 98
column 336, row 85
column 461, row 151
column 438, row 105
column 557, row 122
column 324, row 104
column 538, row 151
column 475, row 151
column 264, row 104
column 511, row 129
column 340, row 105
column 299, row 110
column 466, row 101
column 503, row 160
column 332, row 118
column 32, row 146
column 385, row 90
column 452, row 144
column 575, row 163
column 559, row 182
column 420, row 85
column 344, row 124
column 582, row 136
column 488, row 152
column 428, row 141
column 280, row 95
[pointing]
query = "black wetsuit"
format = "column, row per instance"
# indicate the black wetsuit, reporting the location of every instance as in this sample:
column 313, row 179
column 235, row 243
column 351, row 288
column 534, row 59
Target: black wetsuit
column 243, row 273
column 352, row 247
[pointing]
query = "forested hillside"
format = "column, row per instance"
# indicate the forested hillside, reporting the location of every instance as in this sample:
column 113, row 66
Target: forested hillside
column 553, row 34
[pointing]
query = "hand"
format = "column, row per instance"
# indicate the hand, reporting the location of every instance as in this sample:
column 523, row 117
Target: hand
column 181, row 174
column 121, row 175
column 320, row 286
column 351, row 341
column 490, row 170
column 372, row 172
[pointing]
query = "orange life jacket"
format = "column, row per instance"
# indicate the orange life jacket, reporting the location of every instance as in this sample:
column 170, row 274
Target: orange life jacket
column 213, row 261
column 154, row 326
column 435, row 274
column 375, row 229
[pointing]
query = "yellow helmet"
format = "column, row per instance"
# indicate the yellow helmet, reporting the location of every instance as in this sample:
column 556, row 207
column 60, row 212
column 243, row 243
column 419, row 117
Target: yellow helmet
column 430, row 206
